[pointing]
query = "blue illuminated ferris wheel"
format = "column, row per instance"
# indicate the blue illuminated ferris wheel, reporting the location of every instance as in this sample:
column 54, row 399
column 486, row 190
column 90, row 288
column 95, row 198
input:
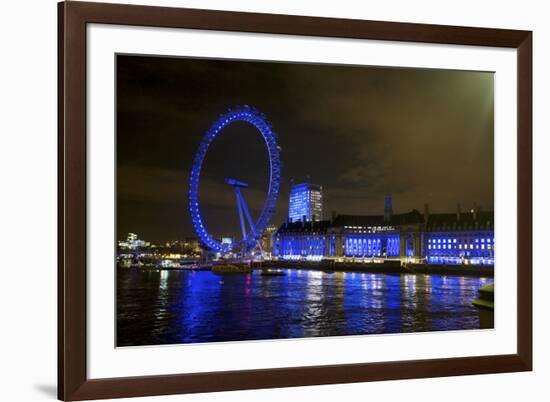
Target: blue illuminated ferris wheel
column 250, row 237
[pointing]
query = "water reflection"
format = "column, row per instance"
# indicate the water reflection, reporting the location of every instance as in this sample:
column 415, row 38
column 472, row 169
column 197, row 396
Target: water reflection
column 167, row 307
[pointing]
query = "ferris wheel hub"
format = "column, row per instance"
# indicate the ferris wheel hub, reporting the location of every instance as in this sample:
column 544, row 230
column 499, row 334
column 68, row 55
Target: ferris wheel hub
column 235, row 183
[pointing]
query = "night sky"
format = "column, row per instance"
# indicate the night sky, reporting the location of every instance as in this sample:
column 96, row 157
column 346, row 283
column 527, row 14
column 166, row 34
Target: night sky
column 425, row 136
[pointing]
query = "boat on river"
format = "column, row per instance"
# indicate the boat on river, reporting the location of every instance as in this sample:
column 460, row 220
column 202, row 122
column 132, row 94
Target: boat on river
column 231, row 269
column 485, row 304
column 486, row 297
column 273, row 272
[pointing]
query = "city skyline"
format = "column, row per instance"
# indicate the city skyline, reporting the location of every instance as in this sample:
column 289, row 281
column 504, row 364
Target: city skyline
column 409, row 137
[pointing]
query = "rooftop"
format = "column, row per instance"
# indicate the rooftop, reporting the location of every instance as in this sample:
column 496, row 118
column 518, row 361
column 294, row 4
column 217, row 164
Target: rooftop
column 481, row 220
column 466, row 221
column 407, row 218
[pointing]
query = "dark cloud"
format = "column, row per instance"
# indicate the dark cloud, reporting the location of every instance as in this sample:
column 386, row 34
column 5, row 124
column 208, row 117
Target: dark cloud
column 423, row 135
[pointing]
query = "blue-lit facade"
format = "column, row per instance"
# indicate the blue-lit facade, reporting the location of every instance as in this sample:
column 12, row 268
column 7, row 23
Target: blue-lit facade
column 372, row 245
column 304, row 241
column 305, row 202
column 357, row 237
column 461, row 248
column 303, row 247
column 461, row 238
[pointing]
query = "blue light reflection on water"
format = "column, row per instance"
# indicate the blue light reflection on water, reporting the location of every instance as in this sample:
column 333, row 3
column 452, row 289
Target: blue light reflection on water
column 167, row 307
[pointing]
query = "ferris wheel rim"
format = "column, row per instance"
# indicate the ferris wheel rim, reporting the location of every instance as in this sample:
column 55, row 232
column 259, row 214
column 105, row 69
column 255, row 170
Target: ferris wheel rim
column 255, row 118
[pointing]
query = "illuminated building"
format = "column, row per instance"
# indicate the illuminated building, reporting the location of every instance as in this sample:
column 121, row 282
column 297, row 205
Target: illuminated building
column 266, row 240
column 303, row 240
column 454, row 238
column 305, row 203
column 226, row 240
column 460, row 238
column 379, row 236
column 133, row 242
column 193, row 243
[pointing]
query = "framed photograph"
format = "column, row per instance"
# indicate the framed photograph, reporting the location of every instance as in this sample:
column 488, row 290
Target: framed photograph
column 253, row 201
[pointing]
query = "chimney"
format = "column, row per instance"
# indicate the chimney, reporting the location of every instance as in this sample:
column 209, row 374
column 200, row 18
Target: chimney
column 458, row 212
column 426, row 213
column 387, row 208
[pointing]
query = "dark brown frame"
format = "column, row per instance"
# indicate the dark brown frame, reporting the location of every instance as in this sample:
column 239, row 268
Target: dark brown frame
column 73, row 383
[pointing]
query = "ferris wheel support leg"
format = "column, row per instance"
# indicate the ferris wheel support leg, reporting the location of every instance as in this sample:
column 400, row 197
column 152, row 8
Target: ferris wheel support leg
column 245, row 209
column 247, row 213
column 240, row 209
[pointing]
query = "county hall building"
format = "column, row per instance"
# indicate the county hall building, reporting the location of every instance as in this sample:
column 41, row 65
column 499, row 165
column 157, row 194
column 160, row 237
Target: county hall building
column 449, row 238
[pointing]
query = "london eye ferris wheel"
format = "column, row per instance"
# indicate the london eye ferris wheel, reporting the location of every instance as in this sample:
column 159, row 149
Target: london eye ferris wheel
column 251, row 233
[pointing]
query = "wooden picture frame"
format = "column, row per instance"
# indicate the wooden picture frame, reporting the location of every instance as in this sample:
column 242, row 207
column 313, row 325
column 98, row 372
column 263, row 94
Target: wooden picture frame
column 73, row 382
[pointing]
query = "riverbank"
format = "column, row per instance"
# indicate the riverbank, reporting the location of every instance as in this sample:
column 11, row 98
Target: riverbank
column 387, row 267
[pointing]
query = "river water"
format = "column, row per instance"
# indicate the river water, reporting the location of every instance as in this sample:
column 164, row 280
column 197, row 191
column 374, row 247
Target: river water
column 156, row 307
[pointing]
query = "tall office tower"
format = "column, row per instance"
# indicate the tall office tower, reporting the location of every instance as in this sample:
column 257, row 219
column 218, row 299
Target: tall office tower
column 306, row 200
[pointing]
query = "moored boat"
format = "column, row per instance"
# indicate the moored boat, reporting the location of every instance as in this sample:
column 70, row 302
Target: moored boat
column 485, row 304
column 486, row 297
column 231, row 269
column 271, row 272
